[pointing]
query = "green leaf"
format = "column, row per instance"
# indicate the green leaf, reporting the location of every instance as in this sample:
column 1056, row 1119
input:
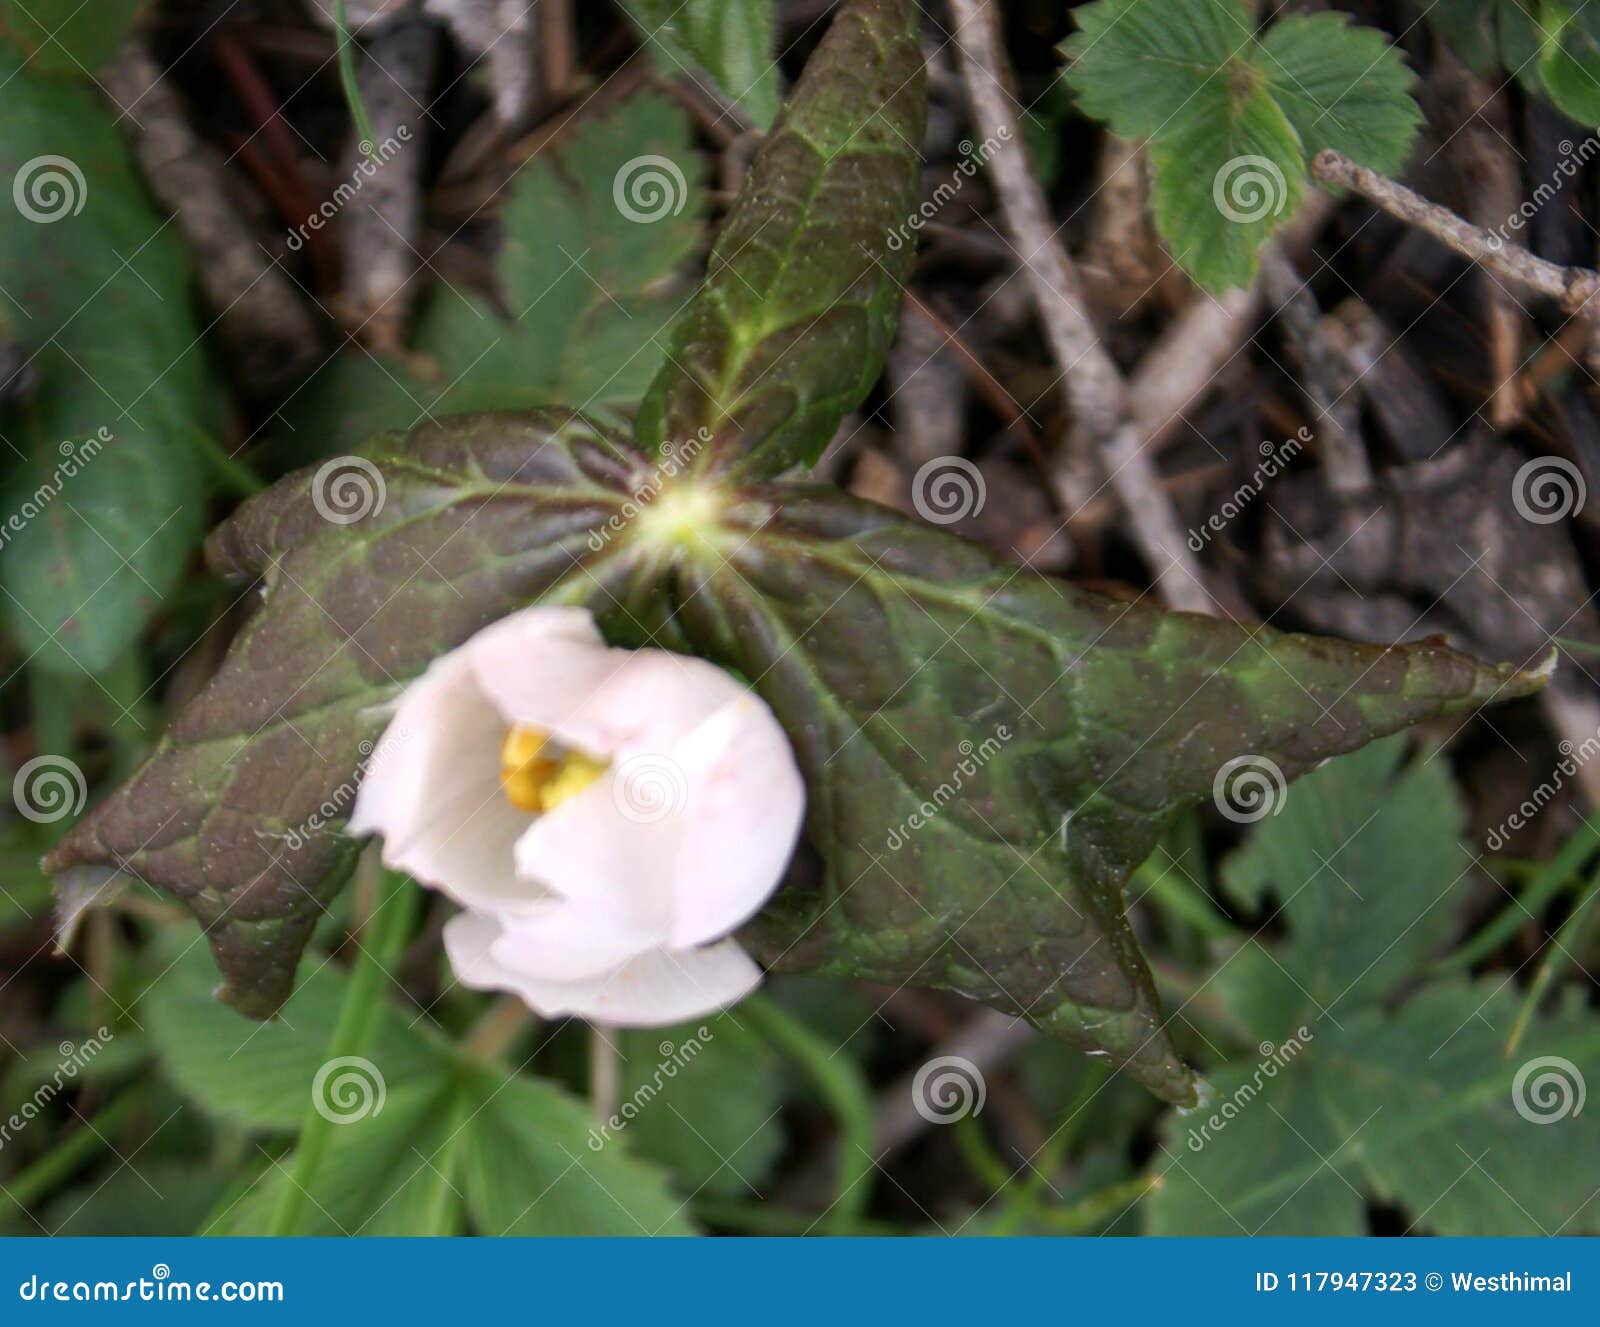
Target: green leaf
column 108, row 489
column 1327, row 863
column 1347, row 1100
column 260, row 1075
column 1224, row 184
column 593, row 235
column 1569, row 58
column 803, row 293
column 238, row 810
column 67, row 36
column 156, row 1196
column 702, row 1100
column 1053, row 733
column 732, row 40
column 530, row 1167
column 1233, row 120
column 1342, row 86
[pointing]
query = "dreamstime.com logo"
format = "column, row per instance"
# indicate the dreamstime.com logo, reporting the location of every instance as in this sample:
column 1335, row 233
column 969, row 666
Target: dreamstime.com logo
column 157, row 1288
column 647, row 788
column 674, row 1057
column 1249, row 788
column 1248, row 189
column 973, row 758
column 973, row 158
column 349, row 1089
column 1274, row 1060
column 947, row 1089
column 1574, row 756
column 648, row 188
column 372, row 158
column 74, row 456
column 47, row 189
column 75, row 1058
column 1549, row 1089
column 1274, row 459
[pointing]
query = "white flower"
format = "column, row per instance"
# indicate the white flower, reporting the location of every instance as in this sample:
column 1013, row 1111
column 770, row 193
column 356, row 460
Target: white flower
column 605, row 817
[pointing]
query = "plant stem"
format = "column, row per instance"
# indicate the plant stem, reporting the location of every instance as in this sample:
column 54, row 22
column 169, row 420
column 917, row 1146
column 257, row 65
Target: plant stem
column 1552, row 876
column 347, row 80
column 38, row 1179
column 385, row 935
column 496, row 1029
column 1560, row 948
column 843, row 1088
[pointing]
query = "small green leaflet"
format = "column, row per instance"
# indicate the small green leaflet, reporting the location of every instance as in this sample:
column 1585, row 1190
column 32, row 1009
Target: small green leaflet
column 731, row 40
column 1569, row 57
column 431, row 1143
column 1232, row 119
column 1362, row 1087
column 593, row 237
column 1551, row 47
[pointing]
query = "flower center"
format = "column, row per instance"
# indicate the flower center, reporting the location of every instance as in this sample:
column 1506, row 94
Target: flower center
column 536, row 775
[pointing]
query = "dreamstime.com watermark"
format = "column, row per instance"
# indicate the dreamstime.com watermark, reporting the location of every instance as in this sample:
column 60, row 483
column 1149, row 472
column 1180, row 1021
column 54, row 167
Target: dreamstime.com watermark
column 1274, row 1059
column 1574, row 756
column 335, row 807
column 973, row 759
column 74, row 456
column 676, row 457
column 75, row 1058
column 1572, row 157
column 973, row 159
column 1248, row 189
column 674, row 1057
column 47, row 189
column 371, row 160
column 157, row 1288
column 1275, row 458
column 49, row 788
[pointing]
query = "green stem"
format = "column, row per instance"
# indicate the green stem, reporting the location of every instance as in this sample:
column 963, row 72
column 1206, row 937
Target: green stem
column 1164, row 880
column 1098, row 1208
column 844, row 1089
column 347, row 80
column 385, row 937
column 39, row 1179
column 1552, row 878
column 1559, row 950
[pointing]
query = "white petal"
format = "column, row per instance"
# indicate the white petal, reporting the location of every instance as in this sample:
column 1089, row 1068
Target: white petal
column 560, row 942
column 600, row 700
column 433, row 791
column 742, row 818
column 656, row 989
column 685, row 844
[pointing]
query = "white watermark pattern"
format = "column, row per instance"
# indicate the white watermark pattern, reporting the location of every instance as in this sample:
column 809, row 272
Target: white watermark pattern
column 948, row 489
column 948, row 1089
column 1274, row 1060
column 348, row 1089
column 1249, row 788
column 648, row 188
column 49, row 788
column 1549, row 1089
column 1250, row 188
column 674, row 1058
column 648, row 788
column 49, row 188
column 347, row 489
column 1548, row 489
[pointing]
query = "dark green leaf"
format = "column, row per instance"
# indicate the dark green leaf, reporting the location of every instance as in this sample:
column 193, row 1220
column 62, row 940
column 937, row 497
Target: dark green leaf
column 732, row 40
column 801, row 301
column 238, row 811
column 106, row 492
column 1569, row 58
column 1053, row 733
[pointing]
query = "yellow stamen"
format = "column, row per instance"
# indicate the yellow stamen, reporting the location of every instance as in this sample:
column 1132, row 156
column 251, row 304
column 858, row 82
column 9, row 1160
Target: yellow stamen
column 535, row 776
